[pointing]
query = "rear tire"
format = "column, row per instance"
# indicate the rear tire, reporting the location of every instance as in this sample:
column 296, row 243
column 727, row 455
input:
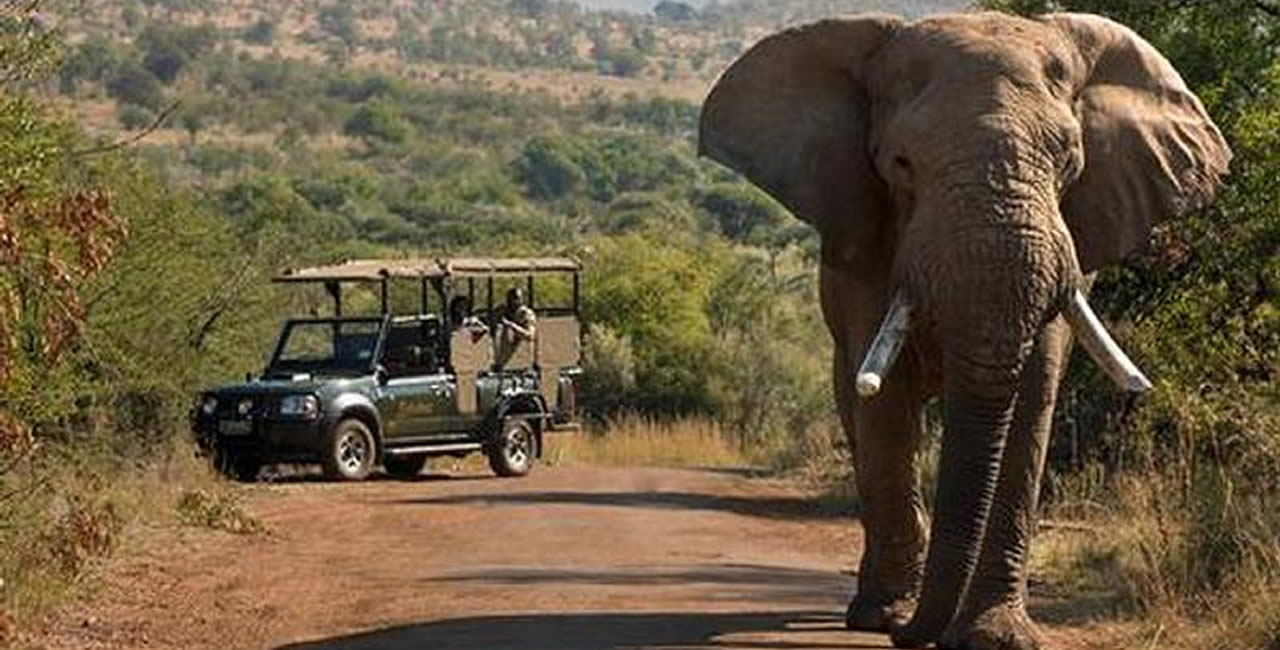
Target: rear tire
column 513, row 452
column 350, row 452
column 404, row 467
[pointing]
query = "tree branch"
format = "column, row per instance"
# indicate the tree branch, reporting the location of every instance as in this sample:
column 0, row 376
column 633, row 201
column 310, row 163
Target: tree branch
column 131, row 140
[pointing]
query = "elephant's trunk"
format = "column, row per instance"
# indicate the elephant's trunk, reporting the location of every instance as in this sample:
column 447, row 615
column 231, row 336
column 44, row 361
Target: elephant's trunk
column 983, row 300
column 978, row 410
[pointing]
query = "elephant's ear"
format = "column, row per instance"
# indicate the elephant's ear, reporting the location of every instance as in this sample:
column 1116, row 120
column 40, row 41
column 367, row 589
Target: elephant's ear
column 792, row 116
column 1150, row 150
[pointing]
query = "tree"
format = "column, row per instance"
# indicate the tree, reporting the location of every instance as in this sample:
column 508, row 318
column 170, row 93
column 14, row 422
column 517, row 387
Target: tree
column 134, row 84
column 546, row 169
column 675, row 11
column 339, row 19
column 168, row 49
column 134, row 117
column 531, row 8
column 743, row 213
column 626, row 62
column 261, row 32
column 378, row 121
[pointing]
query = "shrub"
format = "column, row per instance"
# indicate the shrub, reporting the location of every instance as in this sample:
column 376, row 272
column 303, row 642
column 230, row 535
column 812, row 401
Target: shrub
column 216, row 509
column 546, row 169
column 609, row 370
column 134, row 117
column 261, row 32
column 134, row 84
column 379, row 122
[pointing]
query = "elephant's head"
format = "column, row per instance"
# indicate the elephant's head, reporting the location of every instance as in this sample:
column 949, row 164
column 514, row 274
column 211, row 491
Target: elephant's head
column 983, row 163
column 1043, row 148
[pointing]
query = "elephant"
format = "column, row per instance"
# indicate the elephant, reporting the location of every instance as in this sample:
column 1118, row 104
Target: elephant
column 967, row 175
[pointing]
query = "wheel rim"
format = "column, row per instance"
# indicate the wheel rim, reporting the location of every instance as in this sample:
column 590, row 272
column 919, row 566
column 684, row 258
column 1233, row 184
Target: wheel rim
column 353, row 450
column 517, row 449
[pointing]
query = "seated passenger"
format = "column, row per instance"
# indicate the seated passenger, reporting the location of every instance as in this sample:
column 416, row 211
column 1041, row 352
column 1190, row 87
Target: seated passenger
column 519, row 317
column 460, row 318
column 518, row 324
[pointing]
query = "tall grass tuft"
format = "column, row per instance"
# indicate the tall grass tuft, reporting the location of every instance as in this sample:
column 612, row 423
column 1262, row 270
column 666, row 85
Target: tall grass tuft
column 1199, row 554
column 635, row 440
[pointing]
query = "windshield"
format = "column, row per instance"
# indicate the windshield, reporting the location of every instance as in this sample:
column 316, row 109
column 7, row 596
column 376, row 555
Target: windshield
column 327, row 347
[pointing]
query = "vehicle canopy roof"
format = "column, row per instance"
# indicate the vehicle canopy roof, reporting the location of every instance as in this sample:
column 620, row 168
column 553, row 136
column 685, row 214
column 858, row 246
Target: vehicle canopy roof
column 376, row 270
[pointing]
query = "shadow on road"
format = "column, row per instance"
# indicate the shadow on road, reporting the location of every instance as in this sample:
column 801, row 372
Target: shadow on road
column 605, row 631
column 317, row 477
column 796, row 508
column 724, row 582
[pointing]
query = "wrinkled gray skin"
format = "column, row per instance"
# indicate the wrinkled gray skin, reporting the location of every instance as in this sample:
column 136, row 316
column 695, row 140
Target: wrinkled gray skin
column 985, row 165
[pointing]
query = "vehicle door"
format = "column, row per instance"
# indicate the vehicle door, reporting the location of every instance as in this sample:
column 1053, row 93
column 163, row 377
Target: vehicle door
column 416, row 386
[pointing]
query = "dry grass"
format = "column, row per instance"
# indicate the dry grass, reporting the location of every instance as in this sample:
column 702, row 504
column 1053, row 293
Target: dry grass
column 638, row 441
column 74, row 507
column 1185, row 569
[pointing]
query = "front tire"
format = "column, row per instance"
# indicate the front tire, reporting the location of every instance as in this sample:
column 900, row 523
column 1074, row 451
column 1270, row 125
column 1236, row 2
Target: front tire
column 512, row 453
column 243, row 469
column 404, row 467
column 350, row 452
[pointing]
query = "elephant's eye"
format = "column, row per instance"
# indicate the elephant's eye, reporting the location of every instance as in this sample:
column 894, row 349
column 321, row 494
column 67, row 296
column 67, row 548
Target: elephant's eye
column 901, row 174
column 1055, row 71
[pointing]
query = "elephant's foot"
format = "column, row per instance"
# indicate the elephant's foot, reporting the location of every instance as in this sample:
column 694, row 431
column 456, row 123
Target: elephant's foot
column 872, row 615
column 1002, row 627
column 914, row 634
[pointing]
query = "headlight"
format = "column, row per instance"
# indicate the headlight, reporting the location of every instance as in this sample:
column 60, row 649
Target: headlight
column 300, row 405
column 209, row 405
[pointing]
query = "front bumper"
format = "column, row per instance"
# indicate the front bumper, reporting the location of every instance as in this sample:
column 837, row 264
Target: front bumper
column 266, row 439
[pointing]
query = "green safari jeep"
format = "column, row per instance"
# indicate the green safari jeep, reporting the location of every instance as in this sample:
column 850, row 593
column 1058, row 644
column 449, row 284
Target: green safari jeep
column 355, row 393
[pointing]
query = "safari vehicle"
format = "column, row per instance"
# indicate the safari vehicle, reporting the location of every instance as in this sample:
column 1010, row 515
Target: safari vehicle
column 356, row 392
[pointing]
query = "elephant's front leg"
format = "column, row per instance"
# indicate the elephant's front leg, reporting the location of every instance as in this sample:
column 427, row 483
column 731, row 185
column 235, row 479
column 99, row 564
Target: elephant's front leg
column 993, row 613
column 884, row 434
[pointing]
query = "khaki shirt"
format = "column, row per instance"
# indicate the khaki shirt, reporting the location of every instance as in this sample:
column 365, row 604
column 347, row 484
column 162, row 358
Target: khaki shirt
column 524, row 317
column 510, row 343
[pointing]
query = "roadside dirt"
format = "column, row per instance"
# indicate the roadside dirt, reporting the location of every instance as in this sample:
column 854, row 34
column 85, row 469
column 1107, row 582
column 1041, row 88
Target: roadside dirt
column 566, row 559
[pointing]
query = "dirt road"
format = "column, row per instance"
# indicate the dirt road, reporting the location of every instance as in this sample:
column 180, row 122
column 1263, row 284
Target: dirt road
column 568, row 559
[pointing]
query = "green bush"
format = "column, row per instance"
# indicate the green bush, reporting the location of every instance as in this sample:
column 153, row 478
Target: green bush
column 378, row 122
column 134, row 84
column 134, row 117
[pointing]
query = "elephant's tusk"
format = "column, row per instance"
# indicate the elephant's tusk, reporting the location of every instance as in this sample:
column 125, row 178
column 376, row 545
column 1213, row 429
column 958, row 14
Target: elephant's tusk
column 1104, row 350
column 885, row 347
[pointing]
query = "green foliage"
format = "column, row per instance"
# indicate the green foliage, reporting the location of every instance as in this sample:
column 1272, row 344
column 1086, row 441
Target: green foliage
column 379, row 122
column 743, row 214
column 135, row 117
column 261, row 32
column 675, row 11
column 339, row 19
column 134, row 84
column 609, row 372
column 547, row 170
column 168, row 49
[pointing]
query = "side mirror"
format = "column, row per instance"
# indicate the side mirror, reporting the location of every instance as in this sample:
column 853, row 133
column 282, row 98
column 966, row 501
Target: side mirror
column 381, row 375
